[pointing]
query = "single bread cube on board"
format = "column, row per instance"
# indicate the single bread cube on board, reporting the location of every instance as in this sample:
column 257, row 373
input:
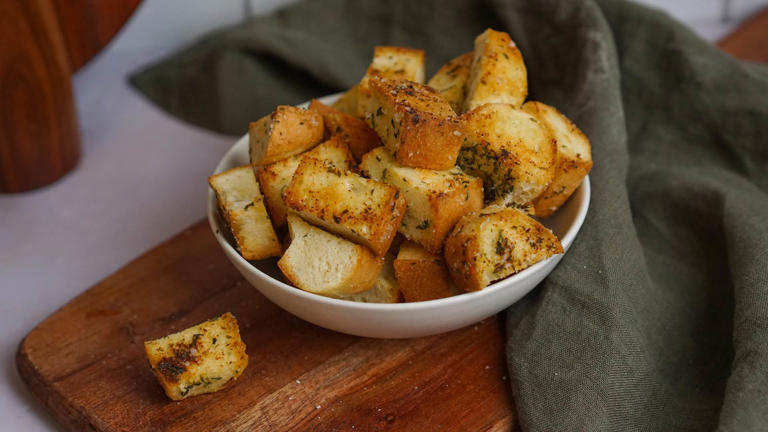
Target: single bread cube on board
column 415, row 124
column 287, row 131
column 573, row 158
column 421, row 275
column 200, row 359
column 498, row 73
column 436, row 200
column 362, row 210
column 395, row 63
column 450, row 80
column 510, row 150
column 385, row 289
column 358, row 136
column 495, row 243
column 242, row 209
column 323, row 263
column 274, row 178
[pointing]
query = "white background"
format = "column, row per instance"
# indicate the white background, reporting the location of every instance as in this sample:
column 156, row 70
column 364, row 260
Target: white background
column 141, row 178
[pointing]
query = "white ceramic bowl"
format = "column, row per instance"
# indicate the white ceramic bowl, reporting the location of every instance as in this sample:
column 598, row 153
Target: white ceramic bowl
column 400, row 320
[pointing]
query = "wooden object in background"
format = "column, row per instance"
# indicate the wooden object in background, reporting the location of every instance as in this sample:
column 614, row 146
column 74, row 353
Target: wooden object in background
column 87, row 364
column 39, row 140
column 750, row 40
column 89, row 25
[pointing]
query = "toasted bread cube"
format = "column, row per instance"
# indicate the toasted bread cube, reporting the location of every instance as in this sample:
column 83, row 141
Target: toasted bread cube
column 385, row 289
column 450, row 80
column 395, row 63
column 200, row 359
column 242, row 209
column 323, row 263
column 573, row 158
column 362, row 210
column 358, row 136
column 436, row 200
column 510, row 150
column 421, row 275
column 287, row 131
column 347, row 102
column 498, row 73
column 274, row 178
column 415, row 124
column 495, row 243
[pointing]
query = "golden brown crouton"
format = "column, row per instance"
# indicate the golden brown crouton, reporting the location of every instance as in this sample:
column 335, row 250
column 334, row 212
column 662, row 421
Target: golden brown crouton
column 436, row 200
column 415, row 124
column 421, row 275
column 495, row 243
column 450, row 80
column 362, row 210
column 385, row 289
column 242, row 209
column 573, row 158
column 395, row 63
column 274, row 178
column 498, row 73
column 200, row 359
column 325, row 264
column 287, row 131
column 510, row 150
column 354, row 132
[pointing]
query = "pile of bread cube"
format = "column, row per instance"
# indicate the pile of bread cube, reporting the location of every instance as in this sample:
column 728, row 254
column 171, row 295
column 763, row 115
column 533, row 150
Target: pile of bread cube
column 406, row 191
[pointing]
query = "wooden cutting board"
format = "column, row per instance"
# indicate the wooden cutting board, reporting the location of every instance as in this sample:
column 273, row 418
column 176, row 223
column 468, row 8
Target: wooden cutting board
column 86, row 362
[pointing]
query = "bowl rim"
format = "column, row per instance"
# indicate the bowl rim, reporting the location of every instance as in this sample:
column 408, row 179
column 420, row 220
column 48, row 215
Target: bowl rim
column 490, row 290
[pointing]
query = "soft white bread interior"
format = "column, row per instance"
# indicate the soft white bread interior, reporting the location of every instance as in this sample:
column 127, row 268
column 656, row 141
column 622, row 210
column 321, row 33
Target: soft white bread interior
column 323, row 263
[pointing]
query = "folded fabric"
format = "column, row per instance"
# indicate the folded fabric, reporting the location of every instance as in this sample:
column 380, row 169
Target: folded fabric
column 657, row 318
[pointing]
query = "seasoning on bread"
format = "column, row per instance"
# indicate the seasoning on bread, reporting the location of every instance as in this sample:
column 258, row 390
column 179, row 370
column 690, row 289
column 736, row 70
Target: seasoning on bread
column 287, row 131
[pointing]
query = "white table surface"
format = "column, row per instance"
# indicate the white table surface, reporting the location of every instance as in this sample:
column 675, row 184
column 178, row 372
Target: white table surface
column 140, row 180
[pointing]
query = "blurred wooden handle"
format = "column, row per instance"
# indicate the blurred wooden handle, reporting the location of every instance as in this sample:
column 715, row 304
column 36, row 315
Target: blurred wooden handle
column 39, row 139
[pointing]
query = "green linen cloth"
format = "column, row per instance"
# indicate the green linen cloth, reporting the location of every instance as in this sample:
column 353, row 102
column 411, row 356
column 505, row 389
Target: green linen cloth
column 657, row 318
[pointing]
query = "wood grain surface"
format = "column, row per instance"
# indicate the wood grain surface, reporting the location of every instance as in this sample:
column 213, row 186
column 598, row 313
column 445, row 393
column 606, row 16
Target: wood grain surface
column 89, row 25
column 39, row 140
column 86, row 362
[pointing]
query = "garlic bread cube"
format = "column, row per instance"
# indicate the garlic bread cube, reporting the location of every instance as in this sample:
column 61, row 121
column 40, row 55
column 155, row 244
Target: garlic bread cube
column 573, row 158
column 362, row 210
column 420, row 274
column 395, row 63
column 358, row 136
column 347, row 102
column 200, row 359
column 495, row 243
column 415, row 124
column 436, row 200
column 242, row 209
column 287, row 131
column 274, row 178
column 510, row 150
column 498, row 73
column 450, row 80
column 385, row 289
column 323, row 263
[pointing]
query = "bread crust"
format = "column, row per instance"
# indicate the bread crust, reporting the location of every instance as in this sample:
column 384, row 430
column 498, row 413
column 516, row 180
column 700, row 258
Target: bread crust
column 415, row 124
column 451, row 79
column 358, row 136
column 498, row 73
column 287, row 131
column 573, row 158
column 421, row 275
